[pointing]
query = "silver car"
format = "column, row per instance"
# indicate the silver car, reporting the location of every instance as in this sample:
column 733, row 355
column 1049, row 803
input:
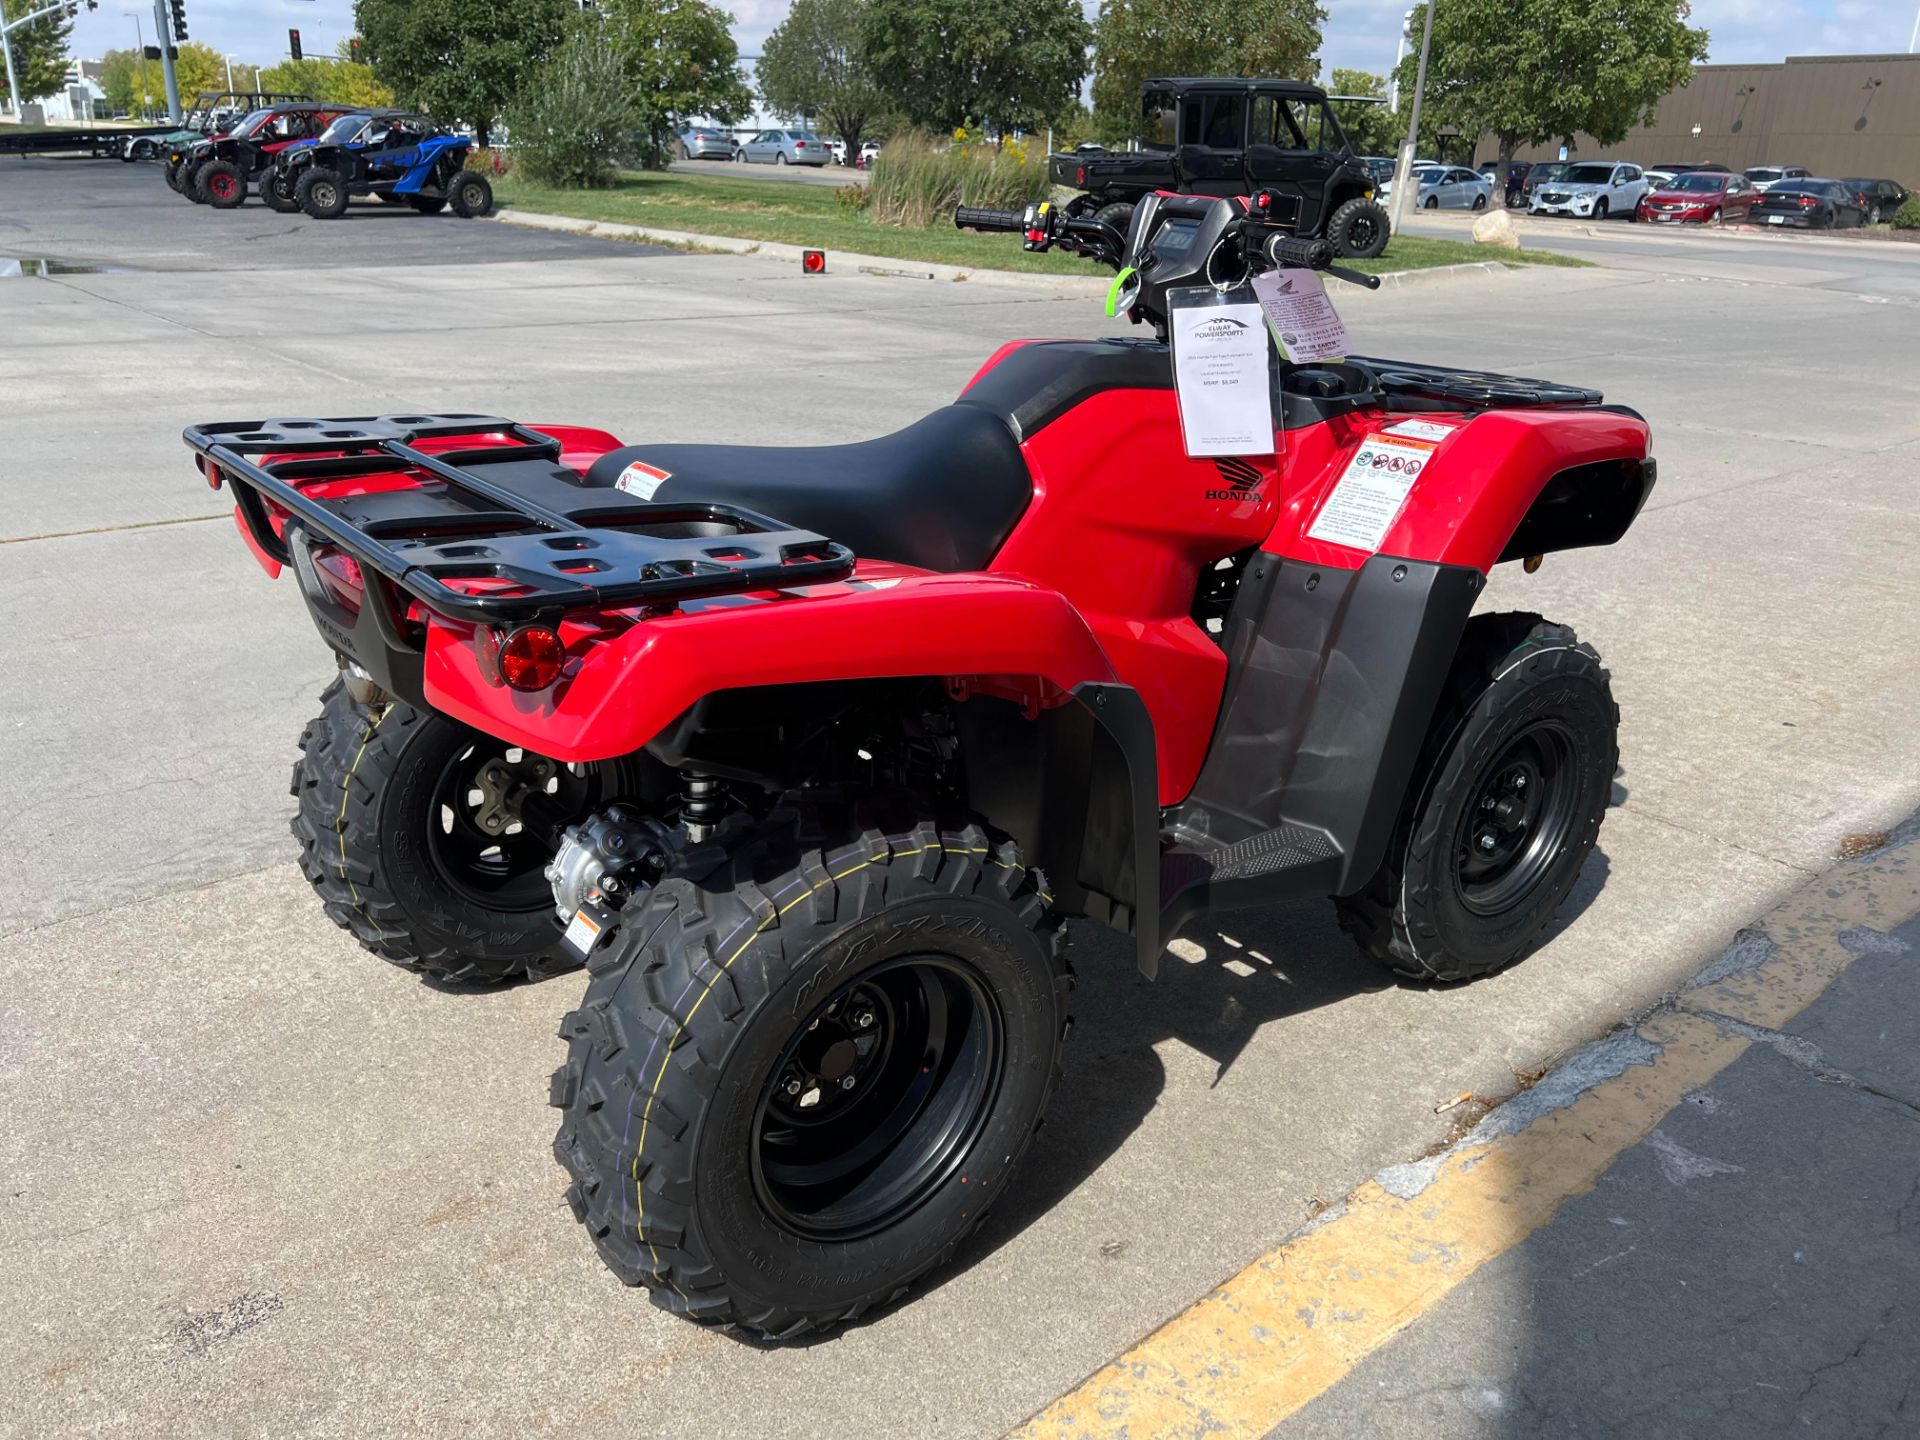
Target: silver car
column 1447, row 187
column 703, row 142
column 785, row 147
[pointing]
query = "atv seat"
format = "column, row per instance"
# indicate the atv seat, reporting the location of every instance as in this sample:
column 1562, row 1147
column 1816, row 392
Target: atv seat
column 942, row 494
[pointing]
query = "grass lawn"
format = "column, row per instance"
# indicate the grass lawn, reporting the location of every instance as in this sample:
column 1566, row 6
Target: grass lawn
column 797, row 213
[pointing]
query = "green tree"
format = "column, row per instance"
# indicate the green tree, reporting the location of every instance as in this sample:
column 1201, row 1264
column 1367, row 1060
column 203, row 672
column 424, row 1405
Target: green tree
column 1530, row 71
column 811, row 67
column 1138, row 39
column 578, row 117
column 119, row 79
column 340, row 80
column 683, row 64
column 39, row 57
column 1373, row 129
column 460, row 59
column 1005, row 63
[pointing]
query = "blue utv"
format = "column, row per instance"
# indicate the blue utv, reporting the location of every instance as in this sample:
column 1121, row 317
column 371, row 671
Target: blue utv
column 401, row 157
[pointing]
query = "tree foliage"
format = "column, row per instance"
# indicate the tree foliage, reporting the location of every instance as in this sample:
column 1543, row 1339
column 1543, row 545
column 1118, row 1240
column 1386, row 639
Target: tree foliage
column 39, row 57
column 578, row 118
column 1139, row 39
column 460, row 59
column 1373, row 129
column 1531, row 71
column 1006, row 63
column 340, row 80
column 682, row 62
column 811, row 68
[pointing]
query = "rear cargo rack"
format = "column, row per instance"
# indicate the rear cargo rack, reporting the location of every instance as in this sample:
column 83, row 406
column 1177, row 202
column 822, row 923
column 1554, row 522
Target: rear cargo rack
column 502, row 512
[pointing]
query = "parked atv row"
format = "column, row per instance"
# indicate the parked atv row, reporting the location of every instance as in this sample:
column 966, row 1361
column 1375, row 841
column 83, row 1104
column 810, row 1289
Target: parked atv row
column 315, row 158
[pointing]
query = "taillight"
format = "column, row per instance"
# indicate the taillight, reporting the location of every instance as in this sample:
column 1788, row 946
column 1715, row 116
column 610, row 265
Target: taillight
column 799, row 144
column 1807, row 202
column 1080, row 176
column 529, row 658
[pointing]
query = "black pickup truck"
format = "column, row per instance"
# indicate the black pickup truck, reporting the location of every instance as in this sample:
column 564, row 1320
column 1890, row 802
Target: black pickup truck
column 1225, row 136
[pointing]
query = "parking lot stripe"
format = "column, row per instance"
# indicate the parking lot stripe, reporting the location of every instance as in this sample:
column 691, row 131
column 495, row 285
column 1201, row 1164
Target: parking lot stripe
column 1290, row 1325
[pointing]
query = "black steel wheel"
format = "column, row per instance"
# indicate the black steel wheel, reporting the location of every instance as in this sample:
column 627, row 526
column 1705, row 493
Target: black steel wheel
column 410, row 830
column 807, row 1066
column 1359, row 229
column 1505, row 804
column 276, row 191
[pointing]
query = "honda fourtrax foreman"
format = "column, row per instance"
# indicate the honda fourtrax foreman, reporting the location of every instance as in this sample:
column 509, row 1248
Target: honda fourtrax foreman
column 810, row 753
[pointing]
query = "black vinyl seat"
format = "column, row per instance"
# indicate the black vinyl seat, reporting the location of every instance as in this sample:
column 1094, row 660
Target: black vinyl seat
column 942, row 494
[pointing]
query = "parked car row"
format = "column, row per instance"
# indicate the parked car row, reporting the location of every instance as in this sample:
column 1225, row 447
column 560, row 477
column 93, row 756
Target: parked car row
column 770, row 147
column 1703, row 193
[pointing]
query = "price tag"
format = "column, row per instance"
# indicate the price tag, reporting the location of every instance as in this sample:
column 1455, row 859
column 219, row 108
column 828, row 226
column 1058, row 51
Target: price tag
column 1304, row 323
column 1220, row 371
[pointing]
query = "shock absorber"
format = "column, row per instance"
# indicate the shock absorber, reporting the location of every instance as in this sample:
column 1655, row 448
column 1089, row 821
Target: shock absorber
column 703, row 804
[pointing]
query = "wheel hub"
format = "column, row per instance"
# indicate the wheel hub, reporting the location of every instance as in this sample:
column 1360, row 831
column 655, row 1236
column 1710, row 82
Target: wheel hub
column 833, row 1056
column 1518, row 819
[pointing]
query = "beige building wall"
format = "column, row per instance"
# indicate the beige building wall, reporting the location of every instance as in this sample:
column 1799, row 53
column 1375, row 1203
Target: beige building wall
column 1825, row 112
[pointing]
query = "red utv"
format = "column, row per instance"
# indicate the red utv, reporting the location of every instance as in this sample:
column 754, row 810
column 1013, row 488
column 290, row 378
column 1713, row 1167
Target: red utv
column 811, row 753
column 216, row 171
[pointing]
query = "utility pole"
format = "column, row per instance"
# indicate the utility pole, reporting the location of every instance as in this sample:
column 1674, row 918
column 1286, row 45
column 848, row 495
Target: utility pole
column 166, row 60
column 1914, row 38
column 1403, row 169
column 1399, row 54
column 13, row 85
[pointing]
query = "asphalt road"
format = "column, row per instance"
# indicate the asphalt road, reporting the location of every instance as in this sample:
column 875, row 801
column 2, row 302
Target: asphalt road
column 1847, row 263
column 257, row 1181
column 110, row 213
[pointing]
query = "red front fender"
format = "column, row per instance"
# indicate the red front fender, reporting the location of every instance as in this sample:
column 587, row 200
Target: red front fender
column 630, row 687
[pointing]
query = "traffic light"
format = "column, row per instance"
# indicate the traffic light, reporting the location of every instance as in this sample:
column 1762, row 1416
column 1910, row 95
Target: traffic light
column 293, row 44
column 178, row 10
column 356, row 50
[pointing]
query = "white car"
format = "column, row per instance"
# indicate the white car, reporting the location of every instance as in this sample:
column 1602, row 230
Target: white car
column 1592, row 191
column 1446, row 187
column 839, row 150
column 869, row 153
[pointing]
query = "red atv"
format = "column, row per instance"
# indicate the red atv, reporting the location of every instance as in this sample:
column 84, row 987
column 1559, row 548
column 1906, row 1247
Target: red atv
column 814, row 751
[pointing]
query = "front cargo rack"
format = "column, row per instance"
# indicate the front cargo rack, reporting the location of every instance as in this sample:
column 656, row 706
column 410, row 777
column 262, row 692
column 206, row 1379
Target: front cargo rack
column 498, row 531
column 1471, row 389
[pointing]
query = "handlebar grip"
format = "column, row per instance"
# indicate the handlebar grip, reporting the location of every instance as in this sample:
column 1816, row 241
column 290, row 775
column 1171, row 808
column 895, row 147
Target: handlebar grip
column 965, row 217
column 1299, row 254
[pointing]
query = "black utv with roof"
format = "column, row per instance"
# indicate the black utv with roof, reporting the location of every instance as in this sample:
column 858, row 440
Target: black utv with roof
column 1223, row 136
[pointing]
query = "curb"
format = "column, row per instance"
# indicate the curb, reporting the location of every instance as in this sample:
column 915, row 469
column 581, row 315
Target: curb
column 917, row 269
column 1270, row 1340
column 779, row 250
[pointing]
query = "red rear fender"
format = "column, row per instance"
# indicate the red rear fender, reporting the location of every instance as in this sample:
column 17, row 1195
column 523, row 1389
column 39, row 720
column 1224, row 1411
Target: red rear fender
column 622, row 691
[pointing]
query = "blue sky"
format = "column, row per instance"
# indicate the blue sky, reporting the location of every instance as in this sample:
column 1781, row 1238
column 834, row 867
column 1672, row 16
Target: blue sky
column 1359, row 33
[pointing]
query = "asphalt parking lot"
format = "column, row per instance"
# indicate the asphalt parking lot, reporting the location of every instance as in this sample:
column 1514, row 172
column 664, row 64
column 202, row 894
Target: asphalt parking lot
column 257, row 1181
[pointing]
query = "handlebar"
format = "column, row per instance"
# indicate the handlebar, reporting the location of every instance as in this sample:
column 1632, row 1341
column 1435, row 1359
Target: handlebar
column 1284, row 250
column 966, row 217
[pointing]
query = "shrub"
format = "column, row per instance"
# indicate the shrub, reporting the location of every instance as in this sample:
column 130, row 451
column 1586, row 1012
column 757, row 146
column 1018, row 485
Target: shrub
column 917, row 181
column 1907, row 217
column 852, row 197
column 575, row 121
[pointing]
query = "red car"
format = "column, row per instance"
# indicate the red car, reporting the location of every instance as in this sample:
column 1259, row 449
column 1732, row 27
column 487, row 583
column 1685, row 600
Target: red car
column 1699, row 197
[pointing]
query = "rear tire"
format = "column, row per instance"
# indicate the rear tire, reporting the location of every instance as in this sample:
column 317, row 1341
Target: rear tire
column 392, row 868
column 718, row 1153
column 322, row 194
column 275, row 194
column 1119, row 215
column 1359, row 230
column 470, row 194
column 1524, row 699
column 1479, row 202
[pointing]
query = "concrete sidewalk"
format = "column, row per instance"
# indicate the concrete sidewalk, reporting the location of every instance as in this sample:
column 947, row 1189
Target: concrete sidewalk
column 1705, row 1224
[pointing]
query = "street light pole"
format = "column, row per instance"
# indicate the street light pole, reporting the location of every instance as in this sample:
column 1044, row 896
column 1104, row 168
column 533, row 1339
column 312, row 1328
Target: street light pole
column 1399, row 54
column 1914, row 38
column 1403, row 168
column 13, row 85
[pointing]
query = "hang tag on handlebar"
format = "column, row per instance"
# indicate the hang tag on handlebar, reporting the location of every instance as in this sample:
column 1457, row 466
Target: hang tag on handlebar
column 1220, row 371
column 1304, row 323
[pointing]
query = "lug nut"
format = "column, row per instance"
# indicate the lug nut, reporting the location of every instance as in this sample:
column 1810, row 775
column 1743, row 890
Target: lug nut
column 793, row 1087
column 847, row 1083
column 863, row 1019
column 1486, row 842
column 1520, row 782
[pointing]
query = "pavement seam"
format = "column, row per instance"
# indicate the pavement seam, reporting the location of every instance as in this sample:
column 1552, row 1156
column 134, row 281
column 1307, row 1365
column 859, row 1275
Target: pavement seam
column 1270, row 1340
column 1803, row 1055
column 1645, row 814
column 113, row 529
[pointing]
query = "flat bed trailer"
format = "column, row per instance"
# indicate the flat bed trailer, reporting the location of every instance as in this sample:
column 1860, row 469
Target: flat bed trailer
column 101, row 144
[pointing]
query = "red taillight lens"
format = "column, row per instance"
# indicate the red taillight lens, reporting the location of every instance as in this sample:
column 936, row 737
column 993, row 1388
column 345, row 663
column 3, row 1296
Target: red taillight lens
column 529, row 659
column 1807, row 202
column 813, row 262
column 799, row 144
column 1080, row 175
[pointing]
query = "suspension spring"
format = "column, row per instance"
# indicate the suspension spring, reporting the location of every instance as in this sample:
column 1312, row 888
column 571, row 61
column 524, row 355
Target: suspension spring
column 703, row 805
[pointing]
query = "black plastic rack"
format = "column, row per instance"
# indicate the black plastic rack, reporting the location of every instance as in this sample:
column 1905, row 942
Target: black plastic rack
column 507, row 512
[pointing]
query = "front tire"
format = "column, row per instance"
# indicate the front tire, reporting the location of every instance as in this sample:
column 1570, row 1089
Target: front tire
column 808, row 1065
column 1600, row 210
column 322, row 194
column 392, row 843
column 1359, row 230
column 1511, row 788
column 470, row 195
column 277, row 195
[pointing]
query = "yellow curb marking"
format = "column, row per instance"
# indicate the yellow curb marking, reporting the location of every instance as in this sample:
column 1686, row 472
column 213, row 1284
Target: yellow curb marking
column 1292, row 1324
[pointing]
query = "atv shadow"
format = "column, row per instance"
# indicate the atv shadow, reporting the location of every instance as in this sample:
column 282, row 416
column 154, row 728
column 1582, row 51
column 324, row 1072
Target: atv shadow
column 1220, row 984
